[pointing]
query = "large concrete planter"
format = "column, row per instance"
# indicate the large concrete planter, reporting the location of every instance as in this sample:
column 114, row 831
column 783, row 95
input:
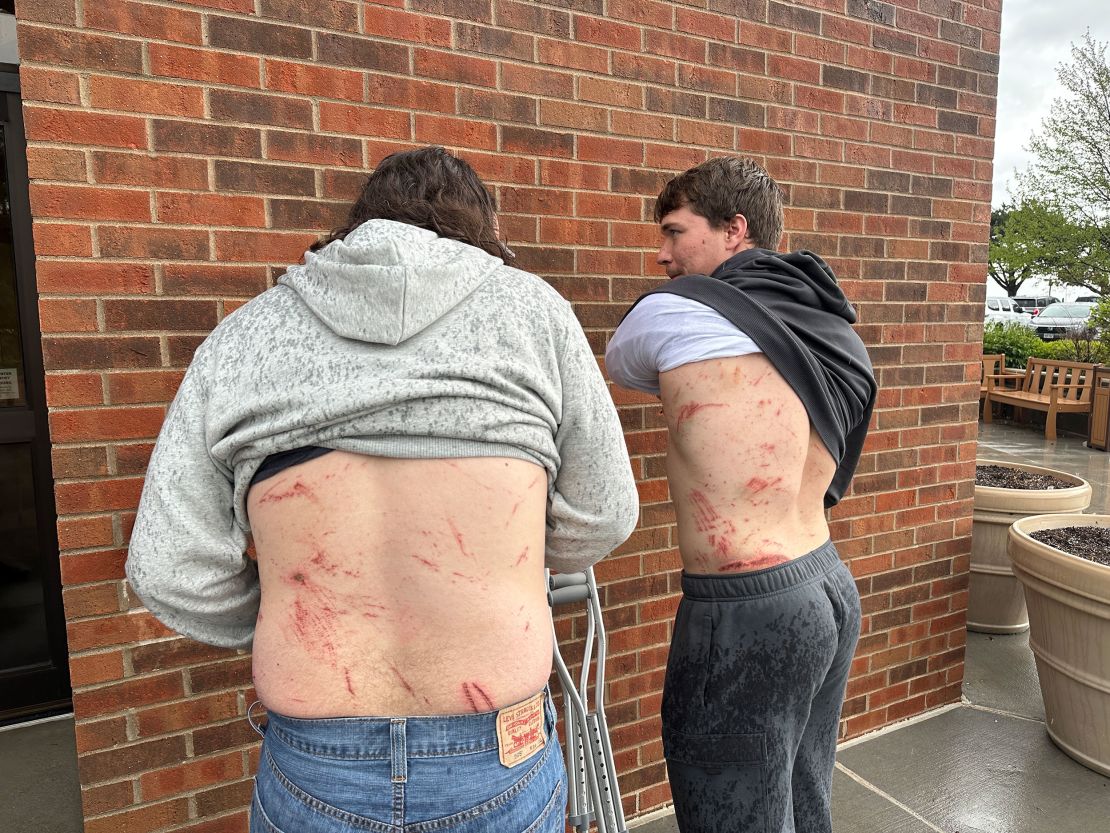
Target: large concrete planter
column 995, row 602
column 1069, row 616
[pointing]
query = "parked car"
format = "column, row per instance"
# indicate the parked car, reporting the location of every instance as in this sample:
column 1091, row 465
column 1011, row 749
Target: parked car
column 1033, row 304
column 1004, row 311
column 1058, row 321
column 1087, row 299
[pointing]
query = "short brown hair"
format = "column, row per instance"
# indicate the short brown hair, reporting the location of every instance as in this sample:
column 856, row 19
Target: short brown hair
column 726, row 186
column 432, row 189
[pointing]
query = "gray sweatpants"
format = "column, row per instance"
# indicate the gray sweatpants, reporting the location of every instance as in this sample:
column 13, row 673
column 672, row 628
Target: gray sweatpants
column 752, row 698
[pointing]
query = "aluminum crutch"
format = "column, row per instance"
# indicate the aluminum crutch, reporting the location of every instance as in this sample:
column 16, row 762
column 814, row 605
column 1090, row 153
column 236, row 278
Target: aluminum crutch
column 592, row 791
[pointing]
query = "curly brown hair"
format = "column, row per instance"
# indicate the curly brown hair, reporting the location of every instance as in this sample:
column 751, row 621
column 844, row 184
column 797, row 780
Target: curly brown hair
column 432, row 189
column 723, row 187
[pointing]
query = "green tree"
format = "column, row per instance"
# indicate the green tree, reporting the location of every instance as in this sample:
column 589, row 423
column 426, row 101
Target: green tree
column 1012, row 259
column 1069, row 176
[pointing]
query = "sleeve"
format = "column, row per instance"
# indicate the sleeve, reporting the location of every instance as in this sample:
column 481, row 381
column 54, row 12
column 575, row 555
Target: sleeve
column 631, row 359
column 665, row 331
column 186, row 560
column 594, row 505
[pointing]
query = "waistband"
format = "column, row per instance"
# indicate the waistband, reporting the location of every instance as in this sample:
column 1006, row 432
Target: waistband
column 805, row 568
column 375, row 738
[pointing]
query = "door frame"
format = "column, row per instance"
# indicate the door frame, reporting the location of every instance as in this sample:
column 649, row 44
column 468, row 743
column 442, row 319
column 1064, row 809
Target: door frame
column 47, row 684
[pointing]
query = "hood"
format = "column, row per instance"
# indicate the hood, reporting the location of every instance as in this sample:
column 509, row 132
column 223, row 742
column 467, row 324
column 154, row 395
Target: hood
column 802, row 276
column 388, row 281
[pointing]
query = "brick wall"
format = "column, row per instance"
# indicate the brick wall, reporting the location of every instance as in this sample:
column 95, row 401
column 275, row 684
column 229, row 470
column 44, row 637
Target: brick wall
column 182, row 152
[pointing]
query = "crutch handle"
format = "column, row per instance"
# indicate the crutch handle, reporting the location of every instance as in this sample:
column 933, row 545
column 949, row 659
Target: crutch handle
column 558, row 580
column 565, row 595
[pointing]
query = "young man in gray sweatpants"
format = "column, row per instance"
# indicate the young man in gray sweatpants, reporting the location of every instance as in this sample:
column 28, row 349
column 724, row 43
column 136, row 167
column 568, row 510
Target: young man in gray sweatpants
column 767, row 393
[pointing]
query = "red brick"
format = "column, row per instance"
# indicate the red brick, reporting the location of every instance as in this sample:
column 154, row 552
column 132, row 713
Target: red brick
column 141, row 819
column 40, row 84
column 456, row 132
column 62, row 240
column 313, row 149
column 257, row 108
column 234, row 823
column 195, row 209
column 82, row 128
column 100, row 734
column 140, row 96
column 569, row 55
column 260, row 37
column 607, row 33
column 89, row 203
column 97, row 496
column 261, row 247
column 307, row 79
column 151, row 22
column 204, row 65
column 153, row 243
column 447, row 66
column 108, row 798
column 397, row 24
column 56, row 164
column 58, row 315
column 80, row 50
column 93, row 278
column 90, row 669
column 326, row 14
column 401, row 92
column 176, row 717
column 364, row 121
column 149, row 170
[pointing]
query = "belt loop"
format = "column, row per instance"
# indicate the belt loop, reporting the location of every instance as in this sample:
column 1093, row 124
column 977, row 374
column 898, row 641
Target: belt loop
column 398, row 752
column 250, row 719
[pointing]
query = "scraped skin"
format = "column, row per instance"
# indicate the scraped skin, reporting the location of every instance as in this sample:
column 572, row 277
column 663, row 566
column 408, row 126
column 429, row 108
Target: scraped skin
column 747, row 473
column 400, row 587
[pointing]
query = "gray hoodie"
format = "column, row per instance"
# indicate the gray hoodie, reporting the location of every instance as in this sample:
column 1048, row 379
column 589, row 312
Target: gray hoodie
column 396, row 343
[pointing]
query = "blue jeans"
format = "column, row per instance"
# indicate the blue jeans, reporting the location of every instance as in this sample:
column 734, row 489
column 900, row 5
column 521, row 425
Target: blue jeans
column 414, row 774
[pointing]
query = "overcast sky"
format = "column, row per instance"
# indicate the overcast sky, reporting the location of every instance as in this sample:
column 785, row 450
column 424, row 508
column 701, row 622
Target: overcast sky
column 1036, row 37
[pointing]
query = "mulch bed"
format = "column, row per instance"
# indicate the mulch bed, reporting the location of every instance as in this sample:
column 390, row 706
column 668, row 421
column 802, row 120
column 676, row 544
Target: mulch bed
column 1090, row 542
column 1004, row 477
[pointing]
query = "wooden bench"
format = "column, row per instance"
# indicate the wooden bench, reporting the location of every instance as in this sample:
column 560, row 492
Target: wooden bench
column 1051, row 386
column 994, row 364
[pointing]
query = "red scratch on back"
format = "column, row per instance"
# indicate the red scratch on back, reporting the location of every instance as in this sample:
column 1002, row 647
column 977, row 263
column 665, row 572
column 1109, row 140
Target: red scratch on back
column 404, row 682
column 298, row 489
column 431, row 565
column 758, row 484
column 522, row 558
column 688, row 410
column 347, row 677
column 705, row 516
column 459, row 539
column 477, row 697
column 760, row 562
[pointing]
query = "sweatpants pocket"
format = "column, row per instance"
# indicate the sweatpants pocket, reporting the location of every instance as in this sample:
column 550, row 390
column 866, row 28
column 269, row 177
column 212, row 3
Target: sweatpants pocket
column 718, row 782
column 715, row 750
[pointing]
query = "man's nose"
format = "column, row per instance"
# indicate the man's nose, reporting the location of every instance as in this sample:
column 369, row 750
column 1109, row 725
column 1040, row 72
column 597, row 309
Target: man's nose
column 663, row 256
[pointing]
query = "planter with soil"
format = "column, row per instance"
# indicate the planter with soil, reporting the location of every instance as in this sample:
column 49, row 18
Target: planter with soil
column 1005, row 492
column 1069, row 615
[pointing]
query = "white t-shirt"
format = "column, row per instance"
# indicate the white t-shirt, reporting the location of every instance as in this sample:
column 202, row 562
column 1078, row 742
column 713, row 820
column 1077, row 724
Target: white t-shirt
column 667, row 331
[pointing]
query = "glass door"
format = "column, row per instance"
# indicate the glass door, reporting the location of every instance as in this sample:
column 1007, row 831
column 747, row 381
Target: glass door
column 33, row 664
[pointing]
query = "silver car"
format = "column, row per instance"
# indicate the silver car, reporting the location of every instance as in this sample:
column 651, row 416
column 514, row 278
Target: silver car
column 1058, row 321
column 1005, row 311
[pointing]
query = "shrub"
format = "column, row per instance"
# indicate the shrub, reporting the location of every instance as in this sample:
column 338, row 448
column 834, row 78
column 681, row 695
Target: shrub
column 1017, row 341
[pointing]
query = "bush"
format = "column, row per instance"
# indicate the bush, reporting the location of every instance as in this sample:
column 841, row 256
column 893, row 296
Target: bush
column 1017, row 341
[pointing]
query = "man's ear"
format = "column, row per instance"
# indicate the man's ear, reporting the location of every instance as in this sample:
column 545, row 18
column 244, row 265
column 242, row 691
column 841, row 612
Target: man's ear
column 737, row 233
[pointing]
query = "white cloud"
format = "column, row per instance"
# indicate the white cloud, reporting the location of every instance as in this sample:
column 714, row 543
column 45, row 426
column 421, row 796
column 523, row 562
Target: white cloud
column 1036, row 38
